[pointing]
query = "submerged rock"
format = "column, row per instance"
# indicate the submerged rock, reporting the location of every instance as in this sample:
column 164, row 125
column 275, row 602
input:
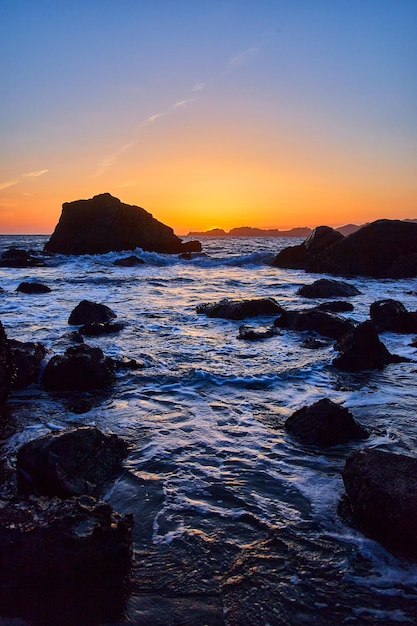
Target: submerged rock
column 362, row 349
column 129, row 261
column 324, row 423
column 325, row 324
column 80, row 368
column 105, row 224
column 381, row 500
column 240, row 309
column 27, row 359
column 392, row 315
column 70, row 463
column 328, row 288
column 87, row 312
column 33, row 288
column 250, row 334
column 96, row 329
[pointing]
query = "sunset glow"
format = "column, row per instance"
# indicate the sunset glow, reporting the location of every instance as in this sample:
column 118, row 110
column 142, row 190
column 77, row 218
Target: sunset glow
column 269, row 115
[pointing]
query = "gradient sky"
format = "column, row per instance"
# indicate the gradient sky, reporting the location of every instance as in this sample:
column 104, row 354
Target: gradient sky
column 268, row 113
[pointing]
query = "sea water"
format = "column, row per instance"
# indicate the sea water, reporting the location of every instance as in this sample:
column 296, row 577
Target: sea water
column 211, row 470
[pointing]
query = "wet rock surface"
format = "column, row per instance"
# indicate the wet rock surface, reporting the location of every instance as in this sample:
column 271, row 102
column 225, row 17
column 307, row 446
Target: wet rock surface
column 27, row 358
column 6, row 366
column 15, row 257
column 391, row 315
column 80, row 368
column 33, row 287
column 324, row 423
column 87, row 312
column 328, row 288
column 240, row 309
column 100, row 328
column 381, row 501
column 129, row 261
column 70, row 463
column 324, row 323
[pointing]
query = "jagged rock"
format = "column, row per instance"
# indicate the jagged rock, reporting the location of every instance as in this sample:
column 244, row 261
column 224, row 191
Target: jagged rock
column 362, row 350
column 52, row 551
column 311, row 343
column 33, row 288
column 328, row 288
column 27, row 359
column 301, row 256
column 324, row 423
column 381, row 500
column 105, row 224
column 392, row 315
column 249, row 334
column 325, row 324
column 240, row 309
column 87, row 312
column 98, row 328
column 337, row 306
column 382, row 249
column 129, row 261
column 6, row 366
column 14, row 257
column 80, row 368
column 70, row 463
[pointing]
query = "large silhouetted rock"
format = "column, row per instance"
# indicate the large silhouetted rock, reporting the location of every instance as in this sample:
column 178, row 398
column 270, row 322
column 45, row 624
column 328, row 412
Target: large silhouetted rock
column 105, row 224
column 70, row 463
column 301, row 256
column 381, row 490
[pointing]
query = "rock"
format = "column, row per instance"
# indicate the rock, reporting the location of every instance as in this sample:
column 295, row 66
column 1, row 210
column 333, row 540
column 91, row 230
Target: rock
column 240, row 309
column 54, row 551
column 328, row 288
column 105, row 224
column 129, row 261
column 381, row 501
column 33, row 288
column 6, row 366
column 337, row 306
column 80, row 368
column 325, row 324
column 249, row 334
column 324, row 423
column 311, row 343
column 98, row 328
column 70, row 463
column 14, row 257
column 362, row 350
column 382, row 249
column 392, row 315
column 87, row 312
column 27, row 359
column 301, row 256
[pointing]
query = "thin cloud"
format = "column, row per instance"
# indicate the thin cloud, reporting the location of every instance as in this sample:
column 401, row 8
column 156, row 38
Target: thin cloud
column 242, row 57
column 152, row 118
column 183, row 103
column 36, row 174
column 199, row 86
column 9, row 183
column 109, row 160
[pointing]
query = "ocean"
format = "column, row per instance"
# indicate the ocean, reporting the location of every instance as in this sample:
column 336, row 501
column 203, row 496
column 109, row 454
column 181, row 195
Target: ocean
column 235, row 521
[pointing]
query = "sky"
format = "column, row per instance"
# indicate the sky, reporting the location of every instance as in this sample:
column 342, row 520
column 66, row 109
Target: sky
column 209, row 113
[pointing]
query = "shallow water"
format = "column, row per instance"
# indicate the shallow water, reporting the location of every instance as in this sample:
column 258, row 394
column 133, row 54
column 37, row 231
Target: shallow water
column 212, row 470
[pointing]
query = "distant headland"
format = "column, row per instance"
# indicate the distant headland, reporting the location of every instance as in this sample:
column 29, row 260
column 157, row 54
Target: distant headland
column 248, row 231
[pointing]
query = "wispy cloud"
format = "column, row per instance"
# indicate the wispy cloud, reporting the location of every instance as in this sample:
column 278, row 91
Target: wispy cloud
column 9, row 183
column 199, row 86
column 183, row 103
column 243, row 57
column 36, row 174
column 152, row 118
column 110, row 159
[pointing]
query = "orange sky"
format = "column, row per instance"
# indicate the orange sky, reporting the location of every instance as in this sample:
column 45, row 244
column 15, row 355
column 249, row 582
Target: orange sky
column 211, row 120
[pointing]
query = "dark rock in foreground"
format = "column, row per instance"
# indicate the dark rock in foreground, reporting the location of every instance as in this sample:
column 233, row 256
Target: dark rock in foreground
column 87, row 312
column 240, row 309
column 63, row 561
column 337, row 306
column 249, row 334
column 33, row 288
column 324, row 423
column 70, row 463
column 80, row 368
column 129, row 261
column 363, row 350
column 381, row 501
column 392, row 315
column 27, row 359
column 325, row 324
column 328, row 288
column 6, row 366
column 105, row 224
column 96, row 329
column 14, row 257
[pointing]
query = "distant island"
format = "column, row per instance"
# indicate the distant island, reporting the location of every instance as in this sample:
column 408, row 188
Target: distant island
column 248, row 231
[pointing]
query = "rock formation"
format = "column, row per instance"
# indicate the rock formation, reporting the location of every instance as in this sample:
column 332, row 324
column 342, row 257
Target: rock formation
column 105, row 224
column 240, row 309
